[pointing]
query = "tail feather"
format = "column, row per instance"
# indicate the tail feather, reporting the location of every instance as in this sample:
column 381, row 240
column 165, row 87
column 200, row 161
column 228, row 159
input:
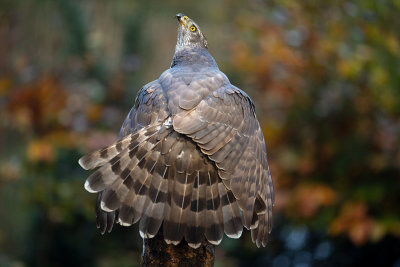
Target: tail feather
column 128, row 212
column 180, row 191
column 142, row 185
column 153, row 215
column 167, row 225
column 214, row 219
column 194, row 233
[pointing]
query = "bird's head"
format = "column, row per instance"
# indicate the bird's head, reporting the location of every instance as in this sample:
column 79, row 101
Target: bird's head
column 189, row 33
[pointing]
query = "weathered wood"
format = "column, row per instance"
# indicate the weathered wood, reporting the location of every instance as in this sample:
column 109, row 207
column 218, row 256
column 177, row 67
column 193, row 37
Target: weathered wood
column 158, row 253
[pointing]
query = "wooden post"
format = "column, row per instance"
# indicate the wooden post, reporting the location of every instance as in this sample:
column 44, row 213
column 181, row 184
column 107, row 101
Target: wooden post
column 158, row 253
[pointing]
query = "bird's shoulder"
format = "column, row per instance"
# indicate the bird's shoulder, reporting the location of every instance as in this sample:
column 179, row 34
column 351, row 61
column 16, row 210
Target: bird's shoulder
column 150, row 108
column 185, row 87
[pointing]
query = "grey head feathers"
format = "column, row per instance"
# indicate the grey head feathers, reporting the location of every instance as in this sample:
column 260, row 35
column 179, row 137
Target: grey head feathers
column 191, row 46
column 189, row 33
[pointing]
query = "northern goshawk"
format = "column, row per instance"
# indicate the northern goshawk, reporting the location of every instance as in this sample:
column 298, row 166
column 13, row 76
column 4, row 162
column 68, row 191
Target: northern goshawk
column 190, row 156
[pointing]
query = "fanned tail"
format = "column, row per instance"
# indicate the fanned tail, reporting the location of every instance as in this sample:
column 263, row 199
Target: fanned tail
column 160, row 177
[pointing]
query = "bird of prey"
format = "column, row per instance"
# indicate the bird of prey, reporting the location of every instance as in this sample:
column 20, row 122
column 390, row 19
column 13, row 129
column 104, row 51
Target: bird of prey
column 190, row 159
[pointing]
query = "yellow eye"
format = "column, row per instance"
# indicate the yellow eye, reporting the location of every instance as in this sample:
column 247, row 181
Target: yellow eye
column 193, row 28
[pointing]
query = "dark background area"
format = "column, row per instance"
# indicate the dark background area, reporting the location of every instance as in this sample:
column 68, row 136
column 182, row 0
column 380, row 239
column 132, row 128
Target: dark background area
column 325, row 79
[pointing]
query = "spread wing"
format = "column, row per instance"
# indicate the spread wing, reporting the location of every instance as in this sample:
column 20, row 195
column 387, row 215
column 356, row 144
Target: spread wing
column 157, row 175
column 225, row 127
column 149, row 110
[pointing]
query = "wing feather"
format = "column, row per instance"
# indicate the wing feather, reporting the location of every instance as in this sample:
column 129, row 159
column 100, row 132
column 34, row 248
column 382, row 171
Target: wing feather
column 225, row 127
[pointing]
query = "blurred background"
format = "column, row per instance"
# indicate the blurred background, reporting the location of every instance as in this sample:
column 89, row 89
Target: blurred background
column 325, row 79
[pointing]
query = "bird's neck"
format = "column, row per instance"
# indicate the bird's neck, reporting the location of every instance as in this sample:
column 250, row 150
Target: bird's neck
column 192, row 55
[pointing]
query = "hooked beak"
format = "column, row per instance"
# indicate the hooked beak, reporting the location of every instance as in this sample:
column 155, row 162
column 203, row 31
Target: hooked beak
column 182, row 18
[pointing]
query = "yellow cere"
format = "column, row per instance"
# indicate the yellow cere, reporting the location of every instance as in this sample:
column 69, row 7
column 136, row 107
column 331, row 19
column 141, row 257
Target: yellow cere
column 185, row 17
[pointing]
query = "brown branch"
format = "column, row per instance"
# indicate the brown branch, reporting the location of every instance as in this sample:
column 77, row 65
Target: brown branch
column 158, row 253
